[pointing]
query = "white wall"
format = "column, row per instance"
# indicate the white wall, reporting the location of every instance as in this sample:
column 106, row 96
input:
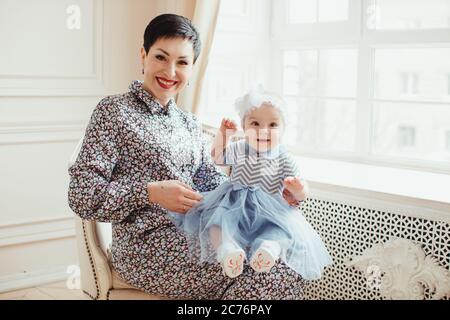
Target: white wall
column 51, row 78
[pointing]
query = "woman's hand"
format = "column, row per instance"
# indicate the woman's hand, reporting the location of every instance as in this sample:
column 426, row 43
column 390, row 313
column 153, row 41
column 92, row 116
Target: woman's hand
column 173, row 195
column 296, row 189
column 228, row 127
column 287, row 195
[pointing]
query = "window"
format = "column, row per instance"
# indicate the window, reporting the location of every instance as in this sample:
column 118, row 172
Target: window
column 354, row 80
column 353, row 72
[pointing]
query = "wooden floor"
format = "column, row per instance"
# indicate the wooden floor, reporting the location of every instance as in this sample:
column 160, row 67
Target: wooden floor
column 52, row 291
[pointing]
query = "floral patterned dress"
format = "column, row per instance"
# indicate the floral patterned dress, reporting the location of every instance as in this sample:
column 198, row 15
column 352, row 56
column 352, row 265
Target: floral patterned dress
column 132, row 140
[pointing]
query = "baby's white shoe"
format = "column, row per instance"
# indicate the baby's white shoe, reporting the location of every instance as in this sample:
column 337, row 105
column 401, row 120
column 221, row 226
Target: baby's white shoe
column 265, row 256
column 232, row 261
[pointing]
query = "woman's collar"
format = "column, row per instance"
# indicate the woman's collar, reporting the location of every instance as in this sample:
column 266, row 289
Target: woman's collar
column 154, row 105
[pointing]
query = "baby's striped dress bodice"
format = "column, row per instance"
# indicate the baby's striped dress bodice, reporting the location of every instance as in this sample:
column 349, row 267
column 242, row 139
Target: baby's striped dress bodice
column 265, row 170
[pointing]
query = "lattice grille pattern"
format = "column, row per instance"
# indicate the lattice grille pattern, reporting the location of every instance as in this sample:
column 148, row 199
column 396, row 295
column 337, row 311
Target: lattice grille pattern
column 348, row 230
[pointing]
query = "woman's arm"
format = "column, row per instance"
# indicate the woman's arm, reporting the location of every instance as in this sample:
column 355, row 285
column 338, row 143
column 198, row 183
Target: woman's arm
column 92, row 195
column 173, row 195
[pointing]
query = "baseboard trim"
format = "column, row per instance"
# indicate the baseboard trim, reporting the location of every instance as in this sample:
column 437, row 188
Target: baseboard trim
column 33, row 279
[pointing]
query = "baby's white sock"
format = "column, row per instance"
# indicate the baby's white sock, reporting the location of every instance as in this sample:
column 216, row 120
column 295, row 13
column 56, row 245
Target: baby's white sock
column 231, row 258
column 265, row 256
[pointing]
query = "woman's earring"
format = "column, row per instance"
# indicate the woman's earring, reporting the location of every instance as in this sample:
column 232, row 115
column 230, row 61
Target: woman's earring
column 142, row 71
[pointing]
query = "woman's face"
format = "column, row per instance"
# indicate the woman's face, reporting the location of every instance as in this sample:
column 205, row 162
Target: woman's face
column 263, row 128
column 167, row 67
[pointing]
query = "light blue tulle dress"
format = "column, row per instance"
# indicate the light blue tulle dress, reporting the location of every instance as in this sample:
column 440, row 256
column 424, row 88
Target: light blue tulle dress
column 250, row 208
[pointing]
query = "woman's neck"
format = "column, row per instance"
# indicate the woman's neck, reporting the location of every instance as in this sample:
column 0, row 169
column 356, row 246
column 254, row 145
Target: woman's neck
column 161, row 102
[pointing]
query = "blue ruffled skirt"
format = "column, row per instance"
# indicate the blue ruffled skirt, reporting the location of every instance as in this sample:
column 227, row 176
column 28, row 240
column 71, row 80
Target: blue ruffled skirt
column 247, row 216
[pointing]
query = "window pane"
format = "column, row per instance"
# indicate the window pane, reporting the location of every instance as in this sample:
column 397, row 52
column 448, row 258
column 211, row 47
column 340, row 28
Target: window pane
column 301, row 123
column 420, row 74
column 333, row 10
column 406, row 136
column 411, row 130
column 448, row 84
column 291, row 72
column 338, row 72
column 300, row 72
column 314, row 124
column 408, row 14
column 233, row 8
column 313, row 11
column 338, row 125
column 304, row 11
column 222, row 86
column 447, row 140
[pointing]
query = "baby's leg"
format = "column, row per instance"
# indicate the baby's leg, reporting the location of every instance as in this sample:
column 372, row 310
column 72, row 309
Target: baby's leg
column 266, row 248
column 215, row 234
column 229, row 254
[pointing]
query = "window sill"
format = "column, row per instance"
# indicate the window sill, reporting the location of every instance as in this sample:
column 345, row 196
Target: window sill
column 392, row 181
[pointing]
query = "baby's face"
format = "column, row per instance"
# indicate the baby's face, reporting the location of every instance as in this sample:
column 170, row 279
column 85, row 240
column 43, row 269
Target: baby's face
column 263, row 128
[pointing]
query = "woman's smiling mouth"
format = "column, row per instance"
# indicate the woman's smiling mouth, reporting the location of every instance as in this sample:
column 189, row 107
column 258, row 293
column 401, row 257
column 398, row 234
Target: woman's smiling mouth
column 165, row 83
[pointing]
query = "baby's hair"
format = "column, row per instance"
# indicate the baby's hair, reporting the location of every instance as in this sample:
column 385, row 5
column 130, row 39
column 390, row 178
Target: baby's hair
column 255, row 98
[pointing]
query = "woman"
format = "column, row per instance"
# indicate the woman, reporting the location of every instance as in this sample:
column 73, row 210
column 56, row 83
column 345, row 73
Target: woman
column 142, row 156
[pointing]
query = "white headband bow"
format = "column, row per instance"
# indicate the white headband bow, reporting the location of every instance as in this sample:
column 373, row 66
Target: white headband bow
column 256, row 97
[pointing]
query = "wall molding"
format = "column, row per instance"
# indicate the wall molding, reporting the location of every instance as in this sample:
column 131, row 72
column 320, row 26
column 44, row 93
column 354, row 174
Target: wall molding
column 41, row 132
column 85, row 85
column 31, row 279
column 35, row 230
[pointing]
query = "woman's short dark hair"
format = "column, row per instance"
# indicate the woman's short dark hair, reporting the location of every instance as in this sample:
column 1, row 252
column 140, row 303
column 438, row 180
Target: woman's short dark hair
column 171, row 26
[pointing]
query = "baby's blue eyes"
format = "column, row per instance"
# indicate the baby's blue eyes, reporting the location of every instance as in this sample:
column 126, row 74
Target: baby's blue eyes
column 272, row 125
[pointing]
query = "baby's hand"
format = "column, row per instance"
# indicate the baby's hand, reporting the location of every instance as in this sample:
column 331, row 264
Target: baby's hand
column 287, row 195
column 295, row 186
column 228, row 127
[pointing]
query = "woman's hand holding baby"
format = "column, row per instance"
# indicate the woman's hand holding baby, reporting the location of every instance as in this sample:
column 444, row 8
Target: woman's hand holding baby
column 173, row 195
column 297, row 187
